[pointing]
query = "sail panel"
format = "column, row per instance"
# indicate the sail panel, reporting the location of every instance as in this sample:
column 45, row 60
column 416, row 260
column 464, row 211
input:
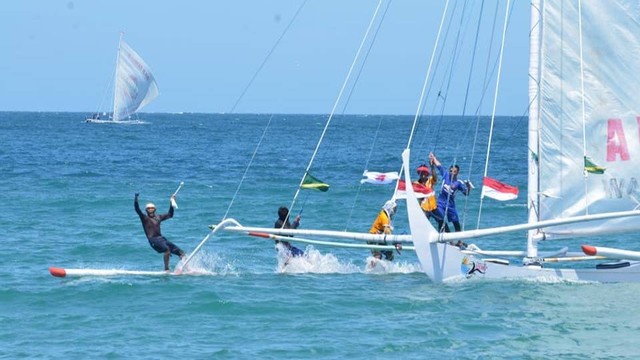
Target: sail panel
column 607, row 132
column 135, row 84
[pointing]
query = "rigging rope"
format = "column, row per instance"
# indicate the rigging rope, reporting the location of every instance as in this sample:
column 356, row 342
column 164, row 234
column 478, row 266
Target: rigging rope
column 264, row 61
column 427, row 78
column 485, row 82
column 425, row 83
column 439, row 96
column 584, row 122
column 448, row 79
column 366, row 56
column 375, row 138
column 495, row 98
column 335, row 105
column 246, row 170
column 464, row 110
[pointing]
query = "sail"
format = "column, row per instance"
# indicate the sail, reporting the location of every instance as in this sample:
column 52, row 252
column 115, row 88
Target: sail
column 135, row 85
column 579, row 130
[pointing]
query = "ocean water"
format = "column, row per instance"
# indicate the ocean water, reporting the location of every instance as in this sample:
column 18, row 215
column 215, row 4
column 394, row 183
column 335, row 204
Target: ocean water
column 67, row 195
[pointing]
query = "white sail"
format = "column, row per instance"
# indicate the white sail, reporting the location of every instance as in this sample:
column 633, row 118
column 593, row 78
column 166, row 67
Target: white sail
column 601, row 122
column 135, row 85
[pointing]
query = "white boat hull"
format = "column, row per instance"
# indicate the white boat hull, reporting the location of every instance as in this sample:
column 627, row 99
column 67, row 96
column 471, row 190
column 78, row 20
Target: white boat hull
column 448, row 263
column 62, row 272
column 443, row 262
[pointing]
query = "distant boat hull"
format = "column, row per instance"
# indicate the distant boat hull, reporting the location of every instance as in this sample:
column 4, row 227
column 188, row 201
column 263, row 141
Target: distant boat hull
column 121, row 122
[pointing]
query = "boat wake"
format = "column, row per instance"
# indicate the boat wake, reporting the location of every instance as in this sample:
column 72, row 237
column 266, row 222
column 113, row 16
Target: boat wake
column 208, row 264
column 314, row 261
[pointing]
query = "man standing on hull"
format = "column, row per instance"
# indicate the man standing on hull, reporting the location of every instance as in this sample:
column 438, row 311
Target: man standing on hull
column 151, row 225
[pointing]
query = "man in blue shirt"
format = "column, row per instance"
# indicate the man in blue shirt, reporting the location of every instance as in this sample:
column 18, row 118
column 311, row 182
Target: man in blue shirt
column 446, row 199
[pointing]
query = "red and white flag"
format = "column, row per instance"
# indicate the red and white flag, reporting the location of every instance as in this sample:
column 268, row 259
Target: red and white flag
column 420, row 190
column 379, row 178
column 497, row 190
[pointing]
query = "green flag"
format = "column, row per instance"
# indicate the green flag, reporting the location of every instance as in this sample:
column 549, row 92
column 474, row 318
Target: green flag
column 592, row 168
column 310, row 182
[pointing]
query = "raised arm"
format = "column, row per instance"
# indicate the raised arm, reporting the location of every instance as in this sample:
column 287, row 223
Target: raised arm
column 168, row 215
column 433, row 161
column 137, row 206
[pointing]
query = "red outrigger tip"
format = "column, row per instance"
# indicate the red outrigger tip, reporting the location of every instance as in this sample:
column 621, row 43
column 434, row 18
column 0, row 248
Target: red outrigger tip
column 259, row 234
column 589, row 250
column 57, row 272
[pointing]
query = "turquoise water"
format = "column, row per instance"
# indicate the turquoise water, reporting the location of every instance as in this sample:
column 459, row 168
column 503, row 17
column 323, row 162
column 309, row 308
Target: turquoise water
column 67, row 195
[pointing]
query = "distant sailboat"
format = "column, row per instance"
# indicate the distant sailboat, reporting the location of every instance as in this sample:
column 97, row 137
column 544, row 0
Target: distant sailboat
column 135, row 87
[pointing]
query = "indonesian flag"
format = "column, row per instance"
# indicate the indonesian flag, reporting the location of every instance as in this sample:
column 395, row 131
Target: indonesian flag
column 379, row 178
column 496, row 190
column 420, row 190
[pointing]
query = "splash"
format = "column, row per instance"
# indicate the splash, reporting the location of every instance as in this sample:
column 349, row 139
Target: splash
column 314, row 261
column 378, row 266
column 208, row 264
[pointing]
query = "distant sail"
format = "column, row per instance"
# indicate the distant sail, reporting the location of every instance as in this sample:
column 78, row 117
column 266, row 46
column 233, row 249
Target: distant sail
column 135, row 85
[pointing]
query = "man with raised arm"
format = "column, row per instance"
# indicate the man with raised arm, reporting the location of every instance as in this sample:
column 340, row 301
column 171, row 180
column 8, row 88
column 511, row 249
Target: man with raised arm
column 151, row 225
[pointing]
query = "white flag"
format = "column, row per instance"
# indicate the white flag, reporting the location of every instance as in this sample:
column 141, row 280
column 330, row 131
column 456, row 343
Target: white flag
column 378, row 178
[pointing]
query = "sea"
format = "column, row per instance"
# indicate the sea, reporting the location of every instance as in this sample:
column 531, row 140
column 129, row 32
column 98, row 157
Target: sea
column 67, row 193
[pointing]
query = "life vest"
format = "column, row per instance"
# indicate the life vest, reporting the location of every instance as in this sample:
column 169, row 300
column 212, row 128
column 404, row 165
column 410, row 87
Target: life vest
column 429, row 203
column 381, row 223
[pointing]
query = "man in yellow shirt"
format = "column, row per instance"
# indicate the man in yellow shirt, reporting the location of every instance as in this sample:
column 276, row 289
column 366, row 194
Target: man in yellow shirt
column 383, row 225
column 428, row 178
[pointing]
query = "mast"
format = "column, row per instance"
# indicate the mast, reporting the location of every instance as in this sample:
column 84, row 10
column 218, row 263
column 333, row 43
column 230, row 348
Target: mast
column 535, row 33
column 117, row 83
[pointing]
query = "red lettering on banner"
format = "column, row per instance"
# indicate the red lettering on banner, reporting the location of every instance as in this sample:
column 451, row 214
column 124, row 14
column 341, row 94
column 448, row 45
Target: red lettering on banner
column 616, row 142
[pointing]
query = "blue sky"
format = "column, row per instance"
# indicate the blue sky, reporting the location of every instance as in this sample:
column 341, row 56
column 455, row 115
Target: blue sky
column 60, row 55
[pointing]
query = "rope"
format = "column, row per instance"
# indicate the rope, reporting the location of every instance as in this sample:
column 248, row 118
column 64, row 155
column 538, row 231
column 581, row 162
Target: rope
column 439, row 96
column 366, row 56
column 584, row 122
column 246, row 170
column 464, row 108
column 246, row 88
column 375, row 138
column 485, row 82
column 427, row 78
column 264, row 61
column 335, row 105
column 447, row 86
column 495, row 98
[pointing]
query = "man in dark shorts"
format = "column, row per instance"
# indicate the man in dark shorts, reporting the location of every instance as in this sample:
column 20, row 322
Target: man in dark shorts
column 283, row 223
column 151, row 225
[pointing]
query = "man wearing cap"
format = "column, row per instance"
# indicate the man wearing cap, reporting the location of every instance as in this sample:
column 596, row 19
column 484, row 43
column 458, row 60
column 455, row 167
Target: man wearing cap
column 383, row 225
column 151, row 225
column 428, row 179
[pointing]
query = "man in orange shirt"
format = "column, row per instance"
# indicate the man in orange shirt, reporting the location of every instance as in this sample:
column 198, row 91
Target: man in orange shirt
column 383, row 225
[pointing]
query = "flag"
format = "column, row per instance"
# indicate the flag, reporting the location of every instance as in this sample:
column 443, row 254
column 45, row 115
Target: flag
column 497, row 190
column 378, row 178
column 420, row 190
column 310, row 182
column 592, row 168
